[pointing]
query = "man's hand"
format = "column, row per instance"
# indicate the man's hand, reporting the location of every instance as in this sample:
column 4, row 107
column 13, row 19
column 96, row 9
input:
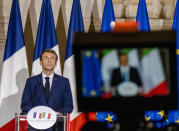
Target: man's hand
column 113, row 91
column 140, row 91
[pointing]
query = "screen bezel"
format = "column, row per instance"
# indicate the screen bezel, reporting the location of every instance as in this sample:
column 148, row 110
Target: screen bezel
column 166, row 39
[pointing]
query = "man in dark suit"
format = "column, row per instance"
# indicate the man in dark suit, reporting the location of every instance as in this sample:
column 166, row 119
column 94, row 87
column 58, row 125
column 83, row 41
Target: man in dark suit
column 125, row 73
column 47, row 89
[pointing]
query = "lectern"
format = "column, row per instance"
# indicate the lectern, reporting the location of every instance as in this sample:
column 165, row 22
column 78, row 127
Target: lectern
column 21, row 123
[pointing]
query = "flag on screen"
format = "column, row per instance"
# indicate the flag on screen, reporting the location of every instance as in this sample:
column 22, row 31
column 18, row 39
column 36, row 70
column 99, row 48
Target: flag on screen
column 46, row 38
column 91, row 74
column 76, row 25
column 14, row 71
column 176, row 28
column 152, row 72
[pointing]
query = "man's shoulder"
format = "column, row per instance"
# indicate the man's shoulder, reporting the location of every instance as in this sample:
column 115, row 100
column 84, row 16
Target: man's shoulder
column 35, row 77
column 55, row 75
column 60, row 77
column 116, row 69
column 133, row 68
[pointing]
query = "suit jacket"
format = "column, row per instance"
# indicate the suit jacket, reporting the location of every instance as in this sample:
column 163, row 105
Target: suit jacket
column 133, row 76
column 60, row 99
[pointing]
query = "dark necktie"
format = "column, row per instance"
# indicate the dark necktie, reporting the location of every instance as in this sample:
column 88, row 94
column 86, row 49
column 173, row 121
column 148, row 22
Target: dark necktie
column 47, row 88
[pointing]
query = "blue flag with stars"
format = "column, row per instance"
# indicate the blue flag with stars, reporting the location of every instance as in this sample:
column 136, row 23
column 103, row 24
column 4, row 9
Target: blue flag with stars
column 154, row 115
column 106, row 117
column 91, row 80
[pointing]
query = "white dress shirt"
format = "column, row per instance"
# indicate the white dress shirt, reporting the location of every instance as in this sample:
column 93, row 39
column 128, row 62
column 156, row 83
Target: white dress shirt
column 50, row 79
column 125, row 72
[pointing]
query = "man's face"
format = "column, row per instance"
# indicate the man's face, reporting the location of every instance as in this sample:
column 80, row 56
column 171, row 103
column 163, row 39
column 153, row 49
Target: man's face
column 48, row 61
column 123, row 59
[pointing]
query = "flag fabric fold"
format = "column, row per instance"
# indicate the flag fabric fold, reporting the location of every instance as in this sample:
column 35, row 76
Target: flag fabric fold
column 108, row 16
column 142, row 16
column 14, row 71
column 46, row 37
column 153, row 77
column 77, row 119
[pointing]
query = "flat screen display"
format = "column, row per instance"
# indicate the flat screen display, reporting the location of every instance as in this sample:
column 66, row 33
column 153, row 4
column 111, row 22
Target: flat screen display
column 123, row 71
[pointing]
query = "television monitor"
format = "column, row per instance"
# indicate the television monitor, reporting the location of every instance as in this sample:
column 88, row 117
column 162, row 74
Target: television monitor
column 126, row 72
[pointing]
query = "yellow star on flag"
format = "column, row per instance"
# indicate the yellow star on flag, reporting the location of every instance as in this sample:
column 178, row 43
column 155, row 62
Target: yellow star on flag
column 109, row 119
column 177, row 121
column 147, row 118
column 93, row 93
column 88, row 53
column 177, row 51
column 161, row 113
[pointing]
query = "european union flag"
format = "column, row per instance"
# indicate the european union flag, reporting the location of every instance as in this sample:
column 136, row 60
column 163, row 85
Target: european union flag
column 173, row 116
column 91, row 72
column 106, row 117
column 154, row 115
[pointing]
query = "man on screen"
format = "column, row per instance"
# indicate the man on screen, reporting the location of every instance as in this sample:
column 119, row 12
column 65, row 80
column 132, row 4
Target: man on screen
column 125, row 73
column 47, row 88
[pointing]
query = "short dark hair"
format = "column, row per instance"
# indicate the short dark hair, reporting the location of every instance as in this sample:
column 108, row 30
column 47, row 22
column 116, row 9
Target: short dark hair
column 49, row 51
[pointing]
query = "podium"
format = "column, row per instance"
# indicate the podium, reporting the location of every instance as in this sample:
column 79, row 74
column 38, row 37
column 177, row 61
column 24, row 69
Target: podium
column 21, row 123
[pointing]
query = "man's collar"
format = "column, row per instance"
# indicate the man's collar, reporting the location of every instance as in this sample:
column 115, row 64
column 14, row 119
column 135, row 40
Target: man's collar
column 51, row 76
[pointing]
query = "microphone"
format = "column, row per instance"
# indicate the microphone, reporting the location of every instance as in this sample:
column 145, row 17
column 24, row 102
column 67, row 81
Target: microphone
column 37, row 86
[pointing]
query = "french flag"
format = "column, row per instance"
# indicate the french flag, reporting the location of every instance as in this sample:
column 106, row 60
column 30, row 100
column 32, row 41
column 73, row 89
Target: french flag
column 14, row 71
column 46, row 38
column 77, row 119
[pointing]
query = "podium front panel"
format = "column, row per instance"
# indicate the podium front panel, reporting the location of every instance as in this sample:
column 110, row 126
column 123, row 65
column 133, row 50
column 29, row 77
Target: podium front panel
column 21, row 123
